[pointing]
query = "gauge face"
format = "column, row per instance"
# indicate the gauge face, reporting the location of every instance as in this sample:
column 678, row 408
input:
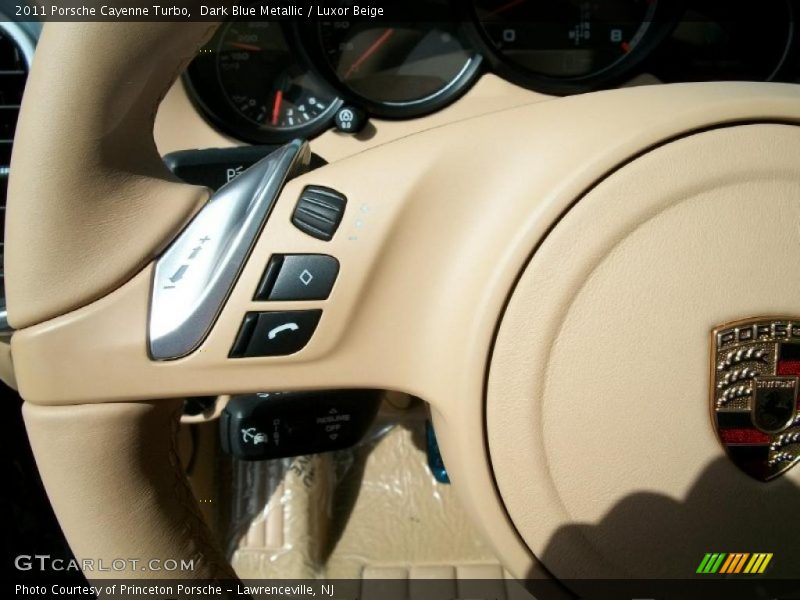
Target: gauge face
column 399, row 69
column 250, row 82
column 566, row 39
column 727, row 41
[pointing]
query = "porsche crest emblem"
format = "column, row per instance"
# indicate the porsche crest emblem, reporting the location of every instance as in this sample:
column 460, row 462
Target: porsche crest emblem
column 756, row 392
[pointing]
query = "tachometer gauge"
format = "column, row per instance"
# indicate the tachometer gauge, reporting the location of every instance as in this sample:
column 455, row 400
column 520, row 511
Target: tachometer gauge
column 399, row 69
column 248, row 82
column 580, row 42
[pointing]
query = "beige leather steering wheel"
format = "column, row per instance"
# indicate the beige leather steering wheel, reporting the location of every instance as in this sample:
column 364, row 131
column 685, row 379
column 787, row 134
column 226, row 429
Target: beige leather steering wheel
column 546, row 277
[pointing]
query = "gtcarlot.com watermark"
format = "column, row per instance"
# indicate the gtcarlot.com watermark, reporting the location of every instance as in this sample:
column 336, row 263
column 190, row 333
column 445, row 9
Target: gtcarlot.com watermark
column 44, row 562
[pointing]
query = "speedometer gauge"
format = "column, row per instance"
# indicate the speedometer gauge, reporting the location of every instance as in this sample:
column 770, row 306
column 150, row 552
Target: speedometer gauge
column 582, row 42
column 249, row 82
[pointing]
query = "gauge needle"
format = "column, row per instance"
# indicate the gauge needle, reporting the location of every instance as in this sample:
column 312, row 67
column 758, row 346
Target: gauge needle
column 369, row 51
column 243, row 46
column 626, row 47
column 507, row 6
column 276, row 106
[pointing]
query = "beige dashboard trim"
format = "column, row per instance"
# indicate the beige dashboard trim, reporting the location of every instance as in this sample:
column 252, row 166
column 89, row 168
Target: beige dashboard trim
column 179, row 125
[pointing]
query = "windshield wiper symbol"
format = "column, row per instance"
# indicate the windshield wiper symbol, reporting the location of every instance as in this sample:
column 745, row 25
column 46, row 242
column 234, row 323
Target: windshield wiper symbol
column 255, row 437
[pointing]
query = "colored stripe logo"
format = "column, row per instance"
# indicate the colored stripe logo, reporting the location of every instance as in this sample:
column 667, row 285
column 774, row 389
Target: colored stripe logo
column 735, row 563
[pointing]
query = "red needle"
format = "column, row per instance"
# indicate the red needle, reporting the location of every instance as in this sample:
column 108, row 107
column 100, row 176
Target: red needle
column 369, row 51
column 243, row 46
column 505, row 7
column 276, row 106
column 626, row 47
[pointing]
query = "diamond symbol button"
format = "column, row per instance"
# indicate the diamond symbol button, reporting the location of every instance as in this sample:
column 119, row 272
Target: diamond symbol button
column 298, row 277
column 306, row 277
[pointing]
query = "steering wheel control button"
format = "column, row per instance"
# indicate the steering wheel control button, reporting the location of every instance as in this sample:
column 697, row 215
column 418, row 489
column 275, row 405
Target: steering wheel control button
column 319, row 212
column 298, row 277
column 195, row 275
column 278, row 425
column 275, row 333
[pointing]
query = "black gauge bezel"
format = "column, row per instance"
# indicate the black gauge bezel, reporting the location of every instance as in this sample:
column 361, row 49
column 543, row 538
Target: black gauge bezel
column 788, row 71
column 791, row 44
column 666, row 16
column 310, row 42
column 212, row 102
column 782, row 70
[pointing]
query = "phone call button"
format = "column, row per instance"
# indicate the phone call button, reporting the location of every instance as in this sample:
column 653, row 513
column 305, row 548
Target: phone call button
column 275, row 333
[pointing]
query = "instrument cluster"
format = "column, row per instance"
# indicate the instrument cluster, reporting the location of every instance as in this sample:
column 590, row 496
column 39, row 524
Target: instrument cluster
column 268, row 82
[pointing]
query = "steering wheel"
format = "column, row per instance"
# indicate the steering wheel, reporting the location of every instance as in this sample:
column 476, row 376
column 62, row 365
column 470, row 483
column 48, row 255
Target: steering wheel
column 547, row 277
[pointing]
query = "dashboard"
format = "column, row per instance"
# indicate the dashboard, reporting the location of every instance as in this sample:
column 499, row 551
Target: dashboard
column 269, row 82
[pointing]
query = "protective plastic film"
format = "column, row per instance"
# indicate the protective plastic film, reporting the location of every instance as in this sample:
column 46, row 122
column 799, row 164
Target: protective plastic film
column 374, row 510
